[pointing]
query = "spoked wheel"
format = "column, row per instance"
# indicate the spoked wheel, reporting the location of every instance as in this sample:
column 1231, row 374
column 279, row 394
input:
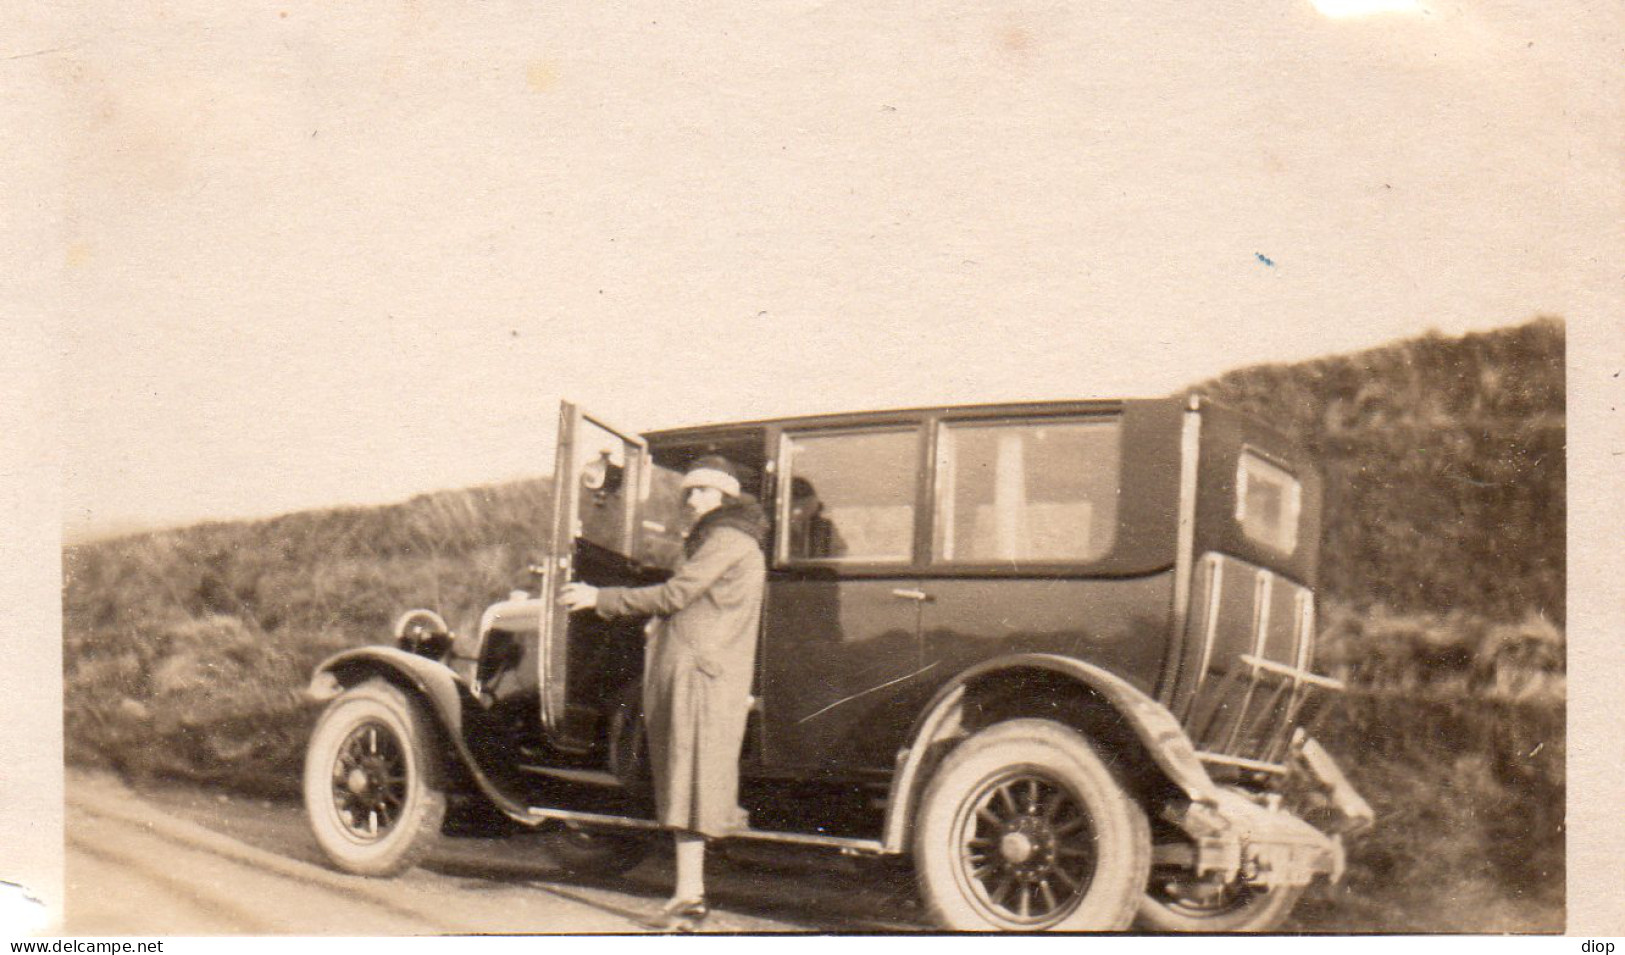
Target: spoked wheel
column 1187, row 906
column 369, row 781
column 372, row 781
column 1024, row 829
column 1029, row 844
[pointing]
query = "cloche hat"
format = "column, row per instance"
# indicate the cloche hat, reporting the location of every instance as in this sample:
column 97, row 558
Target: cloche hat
column 713, row 470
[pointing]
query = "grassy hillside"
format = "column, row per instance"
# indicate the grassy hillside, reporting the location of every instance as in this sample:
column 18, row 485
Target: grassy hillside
column 1445, row 468
column 185, row 651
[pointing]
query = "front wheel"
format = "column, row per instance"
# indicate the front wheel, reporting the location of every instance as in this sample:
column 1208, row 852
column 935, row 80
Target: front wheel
column 1023, row 829
column 373, row 781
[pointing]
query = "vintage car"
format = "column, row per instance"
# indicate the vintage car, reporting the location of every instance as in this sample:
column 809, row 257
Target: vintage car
column 1058, row 656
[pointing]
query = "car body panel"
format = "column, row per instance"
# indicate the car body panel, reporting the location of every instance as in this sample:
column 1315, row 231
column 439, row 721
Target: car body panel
column 1224, row 433
column 835, row 661
column 1118, row 624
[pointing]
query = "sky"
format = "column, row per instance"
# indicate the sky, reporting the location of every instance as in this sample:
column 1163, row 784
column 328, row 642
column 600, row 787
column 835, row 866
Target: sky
column 317, row 257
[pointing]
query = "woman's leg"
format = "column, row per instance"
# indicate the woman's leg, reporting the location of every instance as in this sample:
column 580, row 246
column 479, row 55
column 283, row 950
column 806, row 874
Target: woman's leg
column 687, row 908
column 690, row 867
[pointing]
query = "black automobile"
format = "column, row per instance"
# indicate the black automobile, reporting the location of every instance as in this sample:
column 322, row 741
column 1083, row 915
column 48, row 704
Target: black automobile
column 1058, row 655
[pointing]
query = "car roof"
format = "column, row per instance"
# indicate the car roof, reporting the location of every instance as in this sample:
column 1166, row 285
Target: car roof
column 854, row 418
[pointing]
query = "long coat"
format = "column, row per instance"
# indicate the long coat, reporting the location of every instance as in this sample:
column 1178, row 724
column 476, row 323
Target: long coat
column 698, row 667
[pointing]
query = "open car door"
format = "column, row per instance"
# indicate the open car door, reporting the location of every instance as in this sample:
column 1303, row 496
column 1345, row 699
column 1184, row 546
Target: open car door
column 610, row 503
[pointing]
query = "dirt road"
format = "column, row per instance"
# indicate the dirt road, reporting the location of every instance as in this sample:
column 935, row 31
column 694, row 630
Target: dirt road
column 181, row 862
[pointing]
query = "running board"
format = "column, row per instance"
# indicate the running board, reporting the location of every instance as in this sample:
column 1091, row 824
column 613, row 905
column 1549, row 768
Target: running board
column 868, row 846
column 590, row 777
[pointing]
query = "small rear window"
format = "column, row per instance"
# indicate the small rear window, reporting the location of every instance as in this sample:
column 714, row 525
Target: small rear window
column 1268, row 499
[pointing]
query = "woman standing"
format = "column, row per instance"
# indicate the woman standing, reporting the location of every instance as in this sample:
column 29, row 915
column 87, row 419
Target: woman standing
column 697, row 671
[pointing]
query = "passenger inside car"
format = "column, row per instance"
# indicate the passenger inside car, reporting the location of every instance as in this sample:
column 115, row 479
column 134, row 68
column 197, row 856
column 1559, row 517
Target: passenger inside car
column 812, row 534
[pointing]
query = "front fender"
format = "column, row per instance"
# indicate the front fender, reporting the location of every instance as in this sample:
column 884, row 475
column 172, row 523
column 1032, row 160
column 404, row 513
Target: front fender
column 430, row 681
column 434, row 682
column 1157, row 729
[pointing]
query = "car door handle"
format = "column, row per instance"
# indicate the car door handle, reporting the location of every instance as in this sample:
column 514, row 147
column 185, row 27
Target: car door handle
column 919, row 595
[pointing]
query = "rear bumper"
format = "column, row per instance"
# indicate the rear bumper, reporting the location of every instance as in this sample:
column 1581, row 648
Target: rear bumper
column 1347, row 811
column 1251, row 838
column 1276, row 847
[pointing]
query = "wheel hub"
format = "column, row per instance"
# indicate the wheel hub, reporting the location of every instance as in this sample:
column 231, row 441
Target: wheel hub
column 1028, row 846
column 369, row 781
column 357, row 781
column 1016, row 847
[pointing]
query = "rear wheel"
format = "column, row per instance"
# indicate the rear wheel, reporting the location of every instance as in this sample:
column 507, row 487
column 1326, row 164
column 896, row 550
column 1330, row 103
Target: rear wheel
column 373, row 781
column 1184, row 906
column 591, row 850
column 1024, row 829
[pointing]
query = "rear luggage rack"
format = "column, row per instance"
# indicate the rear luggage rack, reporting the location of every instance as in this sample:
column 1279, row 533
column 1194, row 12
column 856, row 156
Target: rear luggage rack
column 1252, row 679
column 1297, row 674
column 1257, row 705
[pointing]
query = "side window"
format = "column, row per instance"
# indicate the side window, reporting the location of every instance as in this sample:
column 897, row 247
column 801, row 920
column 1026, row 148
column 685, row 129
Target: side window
column 1033, row 491
column 851, row 496
column 1268, row 498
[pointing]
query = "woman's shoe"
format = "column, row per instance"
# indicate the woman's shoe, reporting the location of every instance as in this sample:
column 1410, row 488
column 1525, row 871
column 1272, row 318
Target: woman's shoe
column 681, row 915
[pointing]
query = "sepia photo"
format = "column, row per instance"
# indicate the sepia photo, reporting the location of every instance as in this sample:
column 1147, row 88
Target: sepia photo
column 818, row 468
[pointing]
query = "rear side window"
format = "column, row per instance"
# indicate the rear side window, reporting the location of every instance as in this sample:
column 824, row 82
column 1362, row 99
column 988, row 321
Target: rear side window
column 851, row 496
column 1026, row 491
column 1268, row 499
